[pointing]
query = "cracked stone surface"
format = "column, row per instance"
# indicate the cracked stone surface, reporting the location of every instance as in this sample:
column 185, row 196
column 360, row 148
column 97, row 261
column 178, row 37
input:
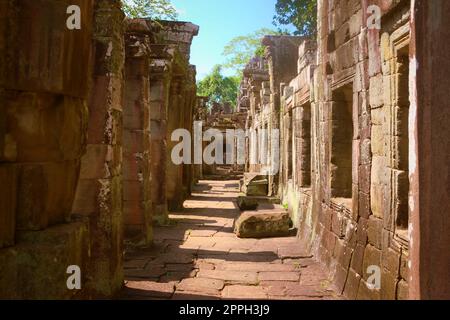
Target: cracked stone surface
column 199, row 257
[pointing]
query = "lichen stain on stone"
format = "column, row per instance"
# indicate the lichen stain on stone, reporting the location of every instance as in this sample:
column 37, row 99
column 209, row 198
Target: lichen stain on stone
column 109, row 127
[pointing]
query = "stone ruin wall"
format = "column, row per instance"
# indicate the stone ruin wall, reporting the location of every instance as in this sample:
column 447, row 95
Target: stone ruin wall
column 223, row 118
column 361, row 105
column 342, row 120
column 44, row 99
column 71, row 171
column 260, row 95
column 84, row 141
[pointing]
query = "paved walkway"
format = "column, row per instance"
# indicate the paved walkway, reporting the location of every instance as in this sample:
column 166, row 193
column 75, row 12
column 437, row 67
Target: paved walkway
column 199, row 257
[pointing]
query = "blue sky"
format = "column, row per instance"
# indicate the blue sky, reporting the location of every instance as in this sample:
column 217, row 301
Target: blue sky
column 220, row 21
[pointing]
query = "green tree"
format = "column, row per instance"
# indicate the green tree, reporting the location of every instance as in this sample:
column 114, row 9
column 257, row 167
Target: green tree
column 300, row 13
column 218, row 87
column 154, row 9
column 240, row 50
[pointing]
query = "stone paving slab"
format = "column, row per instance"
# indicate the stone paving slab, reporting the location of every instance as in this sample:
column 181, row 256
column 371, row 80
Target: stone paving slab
column 200, row 258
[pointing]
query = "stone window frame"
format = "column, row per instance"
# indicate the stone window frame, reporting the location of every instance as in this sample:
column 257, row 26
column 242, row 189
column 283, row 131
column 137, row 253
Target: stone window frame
column 336, row 86
column 287, row 163
column 286, row 118
column 300, row 106
column 290, row 145
column 399, row 40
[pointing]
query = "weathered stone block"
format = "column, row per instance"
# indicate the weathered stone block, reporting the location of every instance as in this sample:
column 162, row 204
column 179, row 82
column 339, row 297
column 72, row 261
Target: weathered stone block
column 247, row 203
column 45, row 127
column 377, row 186
column 263, row 224
column 402, row 290
column 45, row 194
column 94, row 162
column 376, row 91
column 337, row 224
column 36, row 268
column 391, row 261
column 352, row 285
column 378, row 147
column 388, row 285
column 374, row 232
column 373, row 40
column 358, row 258
column 362, row 231
column 372, row 257
column 340, row 278
column 329, row 241
column 404, row 268
column 343, row 253
column 43, row 51
column 86, row 198
column 255, row 185
column 8, row 202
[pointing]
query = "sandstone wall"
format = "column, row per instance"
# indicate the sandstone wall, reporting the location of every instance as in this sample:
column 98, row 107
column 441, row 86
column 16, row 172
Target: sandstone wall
column 349, row 119
column 160, row 79
column 180, row 106
column 44, row 77
column 253, row 97
column 345, row 142
column 429, row 131
column 260, row 95
column 83, row 141
column 137, row 138
column 200, row 114
column 360, row 227
column 298, row 164
column 99, row 192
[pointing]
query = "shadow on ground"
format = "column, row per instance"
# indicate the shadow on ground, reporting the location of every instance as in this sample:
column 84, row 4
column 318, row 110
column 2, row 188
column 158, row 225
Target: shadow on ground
column 199, row 257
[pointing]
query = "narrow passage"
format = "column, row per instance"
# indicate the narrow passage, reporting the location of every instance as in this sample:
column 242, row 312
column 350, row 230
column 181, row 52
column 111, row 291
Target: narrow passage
column 199, row 257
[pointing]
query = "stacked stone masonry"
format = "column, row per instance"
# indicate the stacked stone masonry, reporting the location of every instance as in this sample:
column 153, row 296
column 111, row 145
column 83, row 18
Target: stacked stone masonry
column 347, row 134
column 85, row 141
column 360, row 115
column 222, row 120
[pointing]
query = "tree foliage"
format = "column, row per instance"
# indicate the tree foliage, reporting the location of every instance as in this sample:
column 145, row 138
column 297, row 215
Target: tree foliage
column 219, row 88
column 154, row 9
column 300, row 13
column 240, row 50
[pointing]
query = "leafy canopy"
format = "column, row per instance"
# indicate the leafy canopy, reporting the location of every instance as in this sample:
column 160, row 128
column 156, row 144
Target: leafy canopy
column 219, row 88
column 300, row 13
column 240, row 50
column 154, row 9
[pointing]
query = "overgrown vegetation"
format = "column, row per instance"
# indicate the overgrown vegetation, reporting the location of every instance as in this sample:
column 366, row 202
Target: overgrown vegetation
column 302, row 14
column 154, row 9
column 218, row 87
column 240, row 50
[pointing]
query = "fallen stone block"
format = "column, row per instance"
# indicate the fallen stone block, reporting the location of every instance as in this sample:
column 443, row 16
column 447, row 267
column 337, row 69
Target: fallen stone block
column 263, row 224
column 247, row 203
column 251, row 203
column 255, row 184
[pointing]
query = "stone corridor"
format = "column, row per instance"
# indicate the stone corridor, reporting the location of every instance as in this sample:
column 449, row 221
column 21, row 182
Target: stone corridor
column 344, row 135
column 199, row 257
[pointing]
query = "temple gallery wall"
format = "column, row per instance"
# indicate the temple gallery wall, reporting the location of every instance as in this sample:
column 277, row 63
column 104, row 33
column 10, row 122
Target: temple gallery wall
column 360, row 115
